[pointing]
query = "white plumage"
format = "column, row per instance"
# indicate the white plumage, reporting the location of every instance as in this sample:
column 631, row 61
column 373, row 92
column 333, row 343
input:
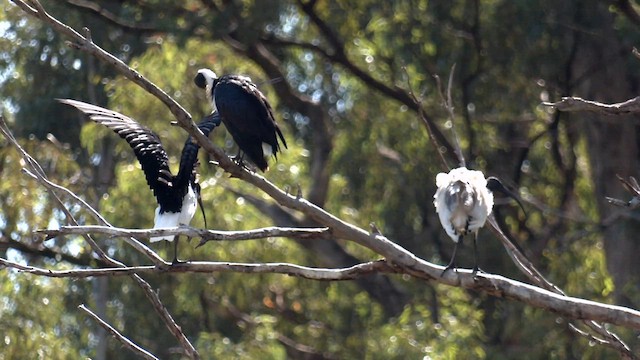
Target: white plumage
column 463, row 203
column 173, row 219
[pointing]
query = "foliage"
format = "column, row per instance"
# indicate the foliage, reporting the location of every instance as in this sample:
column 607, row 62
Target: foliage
column 508, row 56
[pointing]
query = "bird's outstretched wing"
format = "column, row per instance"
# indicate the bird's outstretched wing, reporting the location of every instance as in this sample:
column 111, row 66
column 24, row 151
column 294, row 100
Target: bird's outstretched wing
column 189, row 158
column 189, row 155
column 246, row 111
column 144, row 142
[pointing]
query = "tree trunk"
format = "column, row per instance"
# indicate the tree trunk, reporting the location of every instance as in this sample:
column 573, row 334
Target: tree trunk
column 600, row 73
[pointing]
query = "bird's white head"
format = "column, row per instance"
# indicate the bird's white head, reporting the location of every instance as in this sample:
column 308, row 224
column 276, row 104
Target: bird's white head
column 205, row 79
column 462, row 201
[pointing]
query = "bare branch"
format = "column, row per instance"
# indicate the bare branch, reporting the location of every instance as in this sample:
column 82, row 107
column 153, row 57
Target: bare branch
column 495, row 285
column 126, row 342
column 323, row 274
column 205, row 234
column 579, row 104
column 39, row 174
column 528, row 269
column 131, row 241
column 109, row 16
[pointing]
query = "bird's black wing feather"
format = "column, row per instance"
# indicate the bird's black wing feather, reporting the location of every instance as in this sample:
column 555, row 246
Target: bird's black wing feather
column 189, row 155
column 189, row 158
column 248, row 116
column 144, row 142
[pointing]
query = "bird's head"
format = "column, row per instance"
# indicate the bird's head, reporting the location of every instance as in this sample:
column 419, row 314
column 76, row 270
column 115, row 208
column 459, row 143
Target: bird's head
column 204, row 78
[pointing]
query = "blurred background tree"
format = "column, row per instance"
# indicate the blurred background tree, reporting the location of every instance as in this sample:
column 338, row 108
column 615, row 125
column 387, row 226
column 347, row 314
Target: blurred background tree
column 338, row 74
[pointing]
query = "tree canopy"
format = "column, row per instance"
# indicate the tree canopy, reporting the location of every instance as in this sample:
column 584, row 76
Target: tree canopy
column 352, row 84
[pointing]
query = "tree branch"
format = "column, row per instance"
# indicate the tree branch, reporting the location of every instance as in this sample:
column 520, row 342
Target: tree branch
column 579, row 104
column 495, row 285
column 323, row 274
column 111, row 17
column 123, row 340
column 204, row 234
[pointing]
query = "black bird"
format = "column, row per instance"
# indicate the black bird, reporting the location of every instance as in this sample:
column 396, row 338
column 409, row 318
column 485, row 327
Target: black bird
column 176, row 194
column 245, row 112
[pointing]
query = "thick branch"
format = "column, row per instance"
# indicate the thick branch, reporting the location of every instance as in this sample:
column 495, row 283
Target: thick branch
column 123, row 340
column 579, row 104
column 495, row 285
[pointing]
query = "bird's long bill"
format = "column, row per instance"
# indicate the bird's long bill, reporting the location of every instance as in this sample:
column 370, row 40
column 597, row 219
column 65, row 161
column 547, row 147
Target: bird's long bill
column 204, row 217
column 494, row 184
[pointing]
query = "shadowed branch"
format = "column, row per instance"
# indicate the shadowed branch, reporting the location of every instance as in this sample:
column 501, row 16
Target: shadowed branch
column 121, row 338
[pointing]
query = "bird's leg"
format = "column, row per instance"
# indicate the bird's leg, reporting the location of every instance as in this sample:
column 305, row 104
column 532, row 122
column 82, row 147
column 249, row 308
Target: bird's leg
column 175, row 251
column 452, row 264
column 475, row 256
column 239, row 159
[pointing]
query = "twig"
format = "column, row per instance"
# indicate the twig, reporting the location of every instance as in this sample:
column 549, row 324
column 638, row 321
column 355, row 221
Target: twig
column 429, row 125
column 126, row 342
column 448, row 105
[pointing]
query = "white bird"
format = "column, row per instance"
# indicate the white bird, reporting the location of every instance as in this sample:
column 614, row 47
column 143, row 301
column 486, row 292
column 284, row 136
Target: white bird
column 463, row 202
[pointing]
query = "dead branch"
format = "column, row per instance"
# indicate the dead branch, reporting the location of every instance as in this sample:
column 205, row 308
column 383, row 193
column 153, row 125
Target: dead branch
column 204, row 234
column 322, row 274
column 579, row 104
column 495, row 285
column 123, row 340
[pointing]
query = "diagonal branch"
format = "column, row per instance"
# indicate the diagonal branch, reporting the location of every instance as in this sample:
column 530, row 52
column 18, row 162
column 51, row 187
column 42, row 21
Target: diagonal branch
column 531, row 272
column 126, row 342
column 84, row 43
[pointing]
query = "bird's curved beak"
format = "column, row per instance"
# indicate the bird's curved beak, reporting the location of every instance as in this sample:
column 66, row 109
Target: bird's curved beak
column 197, row 189
column 494, row 184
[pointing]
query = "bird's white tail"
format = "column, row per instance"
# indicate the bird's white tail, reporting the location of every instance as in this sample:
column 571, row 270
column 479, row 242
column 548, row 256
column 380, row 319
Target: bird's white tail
column 165, row 220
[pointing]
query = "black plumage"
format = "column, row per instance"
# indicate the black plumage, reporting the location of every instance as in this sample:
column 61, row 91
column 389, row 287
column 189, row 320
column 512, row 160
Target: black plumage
column 246, row 113
column 175, row 194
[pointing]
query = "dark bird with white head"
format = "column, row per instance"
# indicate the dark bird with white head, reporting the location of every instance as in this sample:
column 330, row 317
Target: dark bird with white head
column 246, row 113
column 177, row 195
